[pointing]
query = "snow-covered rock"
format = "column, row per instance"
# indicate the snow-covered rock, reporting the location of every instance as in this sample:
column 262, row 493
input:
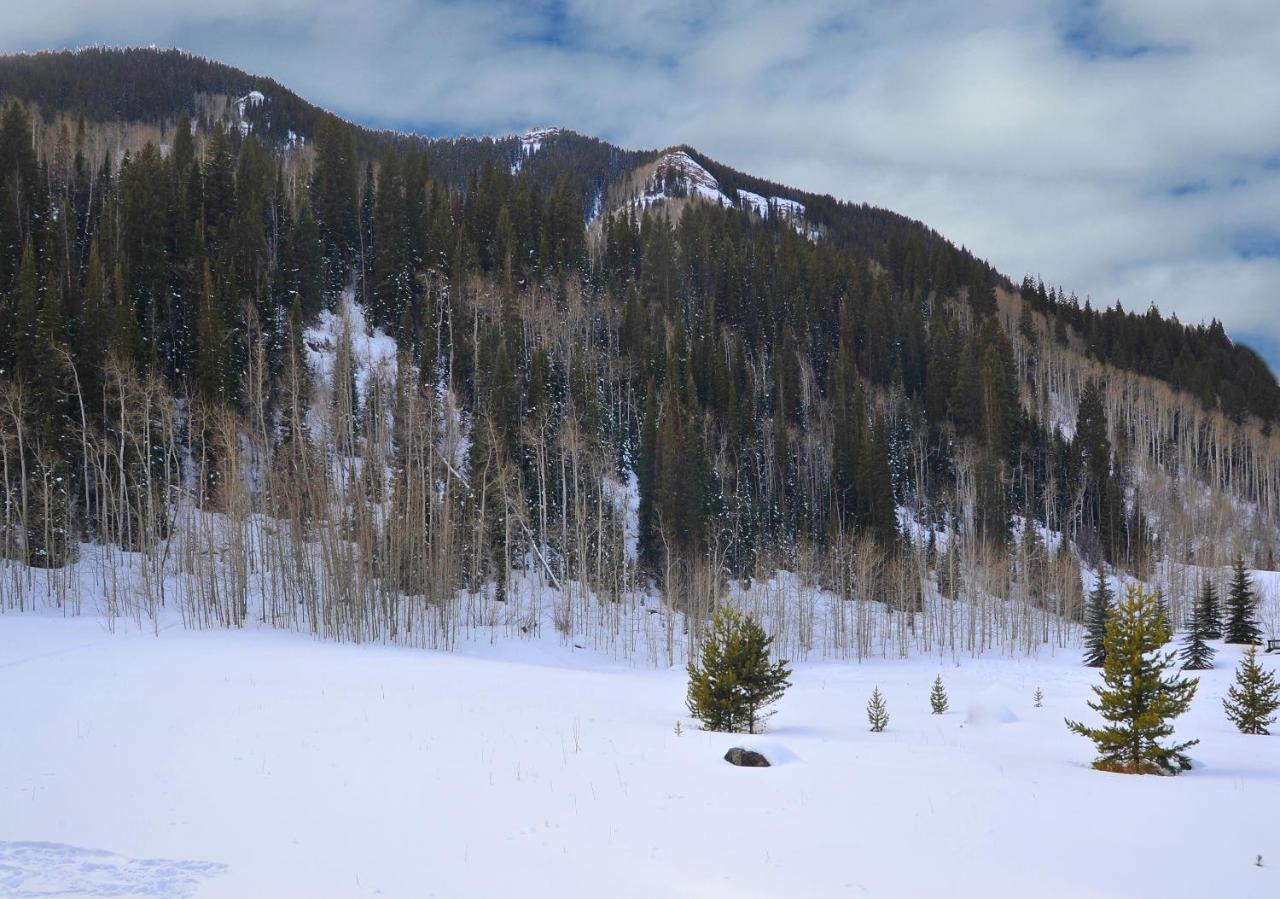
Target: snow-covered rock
column 245, row 103
column 678, row 175
column 790, row 211
column 531, row 142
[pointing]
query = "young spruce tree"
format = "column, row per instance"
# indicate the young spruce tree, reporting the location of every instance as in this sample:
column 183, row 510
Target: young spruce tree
column 1096, row 616
column 1162, row 606
column 1196, row 653
column 1252, row 700
column 1212, row 610
column 1242, row 607
column 1138, row 697
column 938, row 697
column 735, row 679
column 877, row 712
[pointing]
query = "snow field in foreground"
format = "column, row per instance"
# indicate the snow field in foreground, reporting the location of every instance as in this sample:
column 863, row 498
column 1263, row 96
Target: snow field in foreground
column 262, row 763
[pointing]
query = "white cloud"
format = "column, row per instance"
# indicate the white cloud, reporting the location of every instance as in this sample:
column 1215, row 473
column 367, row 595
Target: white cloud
column 1049, row 137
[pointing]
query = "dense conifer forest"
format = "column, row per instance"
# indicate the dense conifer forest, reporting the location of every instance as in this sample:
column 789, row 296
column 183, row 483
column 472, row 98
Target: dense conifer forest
column 864, row 403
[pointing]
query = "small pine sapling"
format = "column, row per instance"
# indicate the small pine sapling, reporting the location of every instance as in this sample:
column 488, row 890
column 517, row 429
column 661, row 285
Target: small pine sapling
column 877, row 712
column 1213, row 609
column 1162, row 606
column 938, row 697
column 1038, row 698
column 1252, row 700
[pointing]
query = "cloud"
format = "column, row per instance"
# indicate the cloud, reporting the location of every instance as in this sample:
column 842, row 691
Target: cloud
column 1125, row 149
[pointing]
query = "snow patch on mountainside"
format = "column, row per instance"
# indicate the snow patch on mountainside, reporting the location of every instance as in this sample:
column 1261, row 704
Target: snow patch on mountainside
column 624, row 495
column 786, row 209
column 245, row 103
column 373, row 350
column 679, row 176
column 790, row 211
column 531, row 142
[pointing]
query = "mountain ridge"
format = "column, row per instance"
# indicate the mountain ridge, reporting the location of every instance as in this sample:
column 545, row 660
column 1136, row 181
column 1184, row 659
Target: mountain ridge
column 773, row 375
column 104, row 82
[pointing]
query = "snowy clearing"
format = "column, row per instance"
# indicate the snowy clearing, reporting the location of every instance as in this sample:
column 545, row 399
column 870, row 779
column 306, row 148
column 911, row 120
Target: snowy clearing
column 261, row 763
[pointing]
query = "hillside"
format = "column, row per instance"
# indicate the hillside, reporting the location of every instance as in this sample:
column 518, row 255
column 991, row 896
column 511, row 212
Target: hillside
column 625, row 373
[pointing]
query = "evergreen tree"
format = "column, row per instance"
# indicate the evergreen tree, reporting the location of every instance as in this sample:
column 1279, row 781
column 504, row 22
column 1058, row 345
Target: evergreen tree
column 1162, row 606
column 1242, row 608
column 1139, row 697
column 647, row 480
column 877, row 712
column 211, row 339
column 1091, row 449
column 334, row 193
column 1197, row 654
column 881, row 517
column 1212, row 610
column 1252, row 701
column 1096, row 616
column 938, row 697
column 734, row 678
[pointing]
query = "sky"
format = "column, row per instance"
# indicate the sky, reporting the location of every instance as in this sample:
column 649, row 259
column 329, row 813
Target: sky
column 1124, row 149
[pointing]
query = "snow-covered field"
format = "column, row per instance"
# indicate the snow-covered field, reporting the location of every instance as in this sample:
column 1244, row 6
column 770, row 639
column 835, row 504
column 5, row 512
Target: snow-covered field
column 262, row 763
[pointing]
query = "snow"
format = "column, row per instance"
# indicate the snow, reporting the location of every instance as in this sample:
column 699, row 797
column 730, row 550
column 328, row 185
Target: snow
column 530, row 143
column 260, row 763
column 373, row 349
column 677, row 175
column 531, row 140
column 753, row 201
column 791, row 211
column 624, row 496
column 787, row 209
column 249, row 100
column 992, row 706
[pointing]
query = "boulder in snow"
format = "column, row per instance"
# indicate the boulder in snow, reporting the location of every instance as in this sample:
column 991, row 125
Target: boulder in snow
column 745, row 758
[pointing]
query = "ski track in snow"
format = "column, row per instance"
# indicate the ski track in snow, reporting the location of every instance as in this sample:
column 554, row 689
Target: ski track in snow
column 34, row 869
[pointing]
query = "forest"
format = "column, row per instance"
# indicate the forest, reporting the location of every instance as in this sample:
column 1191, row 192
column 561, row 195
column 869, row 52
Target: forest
column 619, row 400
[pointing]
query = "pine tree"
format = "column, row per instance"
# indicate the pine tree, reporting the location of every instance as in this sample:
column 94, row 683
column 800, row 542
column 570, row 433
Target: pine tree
column 938, row 697
column 1038, row 698
column 1242, row 607
column 1212, row 610
column 1252, row 701
column 1138, row 697
column 1096, row 617
column 734, row 678
column 1162, row 607
column 877, row 712
column 1196, row 653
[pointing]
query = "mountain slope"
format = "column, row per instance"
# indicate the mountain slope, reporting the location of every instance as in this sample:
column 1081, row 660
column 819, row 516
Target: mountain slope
column 632, row 377
column 104, row 84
